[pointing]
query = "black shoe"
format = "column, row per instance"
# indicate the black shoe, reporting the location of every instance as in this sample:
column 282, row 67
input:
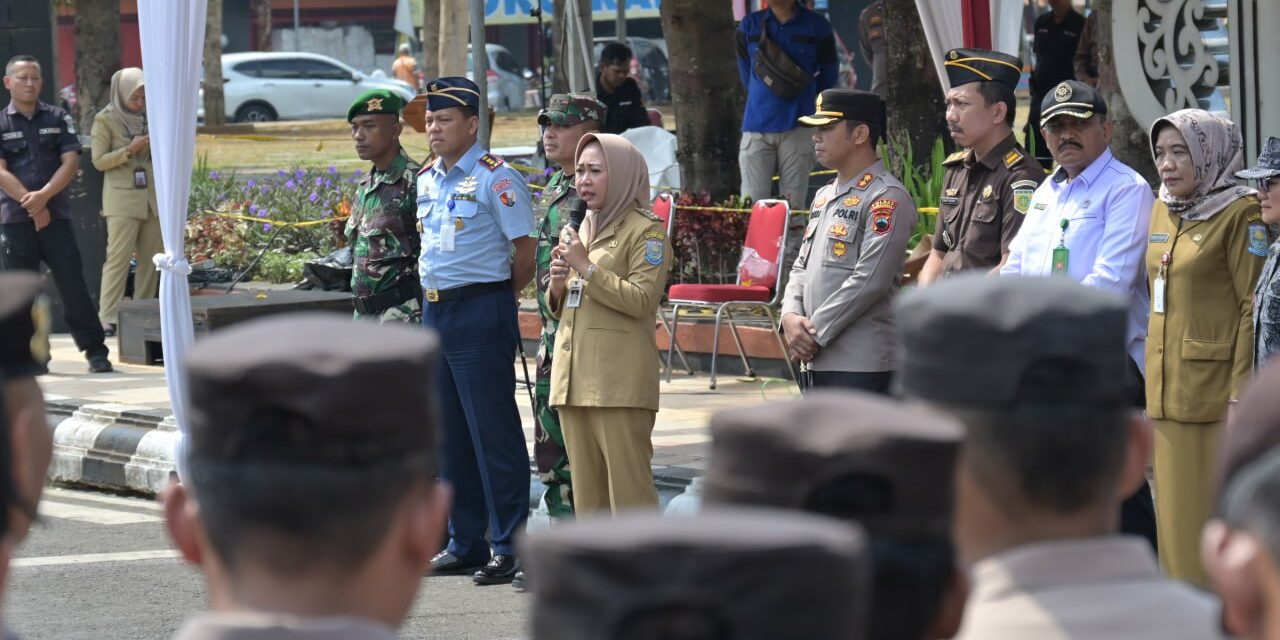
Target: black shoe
column 517, row 582
column 446, row 563
column 500, row 570
column 100, row 364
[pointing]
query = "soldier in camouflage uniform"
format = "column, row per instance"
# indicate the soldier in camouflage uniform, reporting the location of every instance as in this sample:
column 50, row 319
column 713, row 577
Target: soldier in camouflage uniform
column 565, row 120
column 382, row 229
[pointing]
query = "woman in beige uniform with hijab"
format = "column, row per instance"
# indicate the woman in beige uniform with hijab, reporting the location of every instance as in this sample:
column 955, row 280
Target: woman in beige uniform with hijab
column 606, row 284
column 1204, row 252
column 122, row 151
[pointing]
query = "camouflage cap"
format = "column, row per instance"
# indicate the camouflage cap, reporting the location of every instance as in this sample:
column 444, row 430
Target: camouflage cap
column 568, row 109
column 378, row 102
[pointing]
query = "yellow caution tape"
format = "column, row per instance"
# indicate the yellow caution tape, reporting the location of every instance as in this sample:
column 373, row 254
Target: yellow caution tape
column 276, row 223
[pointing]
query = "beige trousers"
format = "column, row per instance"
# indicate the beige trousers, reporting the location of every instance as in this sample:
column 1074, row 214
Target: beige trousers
column 125, row 237
column 788, row 155
column 1186, row 455
column 610, row 450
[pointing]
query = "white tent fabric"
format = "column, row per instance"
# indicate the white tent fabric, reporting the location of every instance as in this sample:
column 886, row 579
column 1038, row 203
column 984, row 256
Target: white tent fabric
column 943, row 29
column 1006, row 25
column 172, row 34
column 658, row 146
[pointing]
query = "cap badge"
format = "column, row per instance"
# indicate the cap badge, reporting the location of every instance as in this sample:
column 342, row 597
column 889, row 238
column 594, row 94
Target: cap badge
column 953, row 55
column 1062, row 93
column 373, row 104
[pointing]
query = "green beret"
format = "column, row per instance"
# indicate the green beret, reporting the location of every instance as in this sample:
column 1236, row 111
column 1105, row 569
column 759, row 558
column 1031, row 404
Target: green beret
column 376, row 102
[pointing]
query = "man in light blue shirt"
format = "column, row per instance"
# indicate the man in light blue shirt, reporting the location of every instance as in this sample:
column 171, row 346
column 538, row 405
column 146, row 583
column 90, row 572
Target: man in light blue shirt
column 1089, row 221
column 476, row 221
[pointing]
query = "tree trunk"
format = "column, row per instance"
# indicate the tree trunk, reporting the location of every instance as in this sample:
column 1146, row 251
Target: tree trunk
column 913, row 94
column 705, row 93
column 455, row 33
column 1130, row 142
column 431, row 39
column 260, row 10
column 97, row 25
column 560, row 82
column 214, row 100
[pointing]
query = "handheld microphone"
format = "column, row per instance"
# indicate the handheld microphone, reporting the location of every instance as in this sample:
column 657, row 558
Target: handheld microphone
column 577, row 214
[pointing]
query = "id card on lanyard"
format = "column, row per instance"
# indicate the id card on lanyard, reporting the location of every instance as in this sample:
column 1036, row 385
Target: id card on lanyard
column 1061, row 254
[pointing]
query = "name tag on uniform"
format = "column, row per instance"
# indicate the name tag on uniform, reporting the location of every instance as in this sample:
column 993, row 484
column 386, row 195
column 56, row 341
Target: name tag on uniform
column 950, row 200
column 1158, row 238
column 574, row 299
column 448, row 234
column 50, row 130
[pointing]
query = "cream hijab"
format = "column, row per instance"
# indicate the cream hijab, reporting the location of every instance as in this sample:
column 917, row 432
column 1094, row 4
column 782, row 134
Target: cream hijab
column 1217, row 153
column 628, row 182
column 123, row 83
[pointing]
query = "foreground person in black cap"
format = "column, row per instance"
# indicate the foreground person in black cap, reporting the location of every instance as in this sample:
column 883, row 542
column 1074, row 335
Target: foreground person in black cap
column 869, row 461
column 731, row 574
column 988, row 185
column 310, row 502
column 835, row 314
column 1052, row 446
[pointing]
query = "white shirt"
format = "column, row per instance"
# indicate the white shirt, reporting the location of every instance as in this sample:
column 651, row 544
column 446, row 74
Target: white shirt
column 1108, row 213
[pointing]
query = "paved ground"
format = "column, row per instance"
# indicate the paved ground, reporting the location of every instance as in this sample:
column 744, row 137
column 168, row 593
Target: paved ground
column 679, row 437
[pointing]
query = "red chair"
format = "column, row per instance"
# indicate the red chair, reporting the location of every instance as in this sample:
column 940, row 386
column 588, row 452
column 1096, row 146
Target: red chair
column 664, row 207
column 762, row 254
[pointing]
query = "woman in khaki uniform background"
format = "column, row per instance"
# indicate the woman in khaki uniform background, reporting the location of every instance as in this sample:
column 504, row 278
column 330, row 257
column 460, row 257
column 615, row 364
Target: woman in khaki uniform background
column 121, row 150
column 605, row 288
column 1203, row 258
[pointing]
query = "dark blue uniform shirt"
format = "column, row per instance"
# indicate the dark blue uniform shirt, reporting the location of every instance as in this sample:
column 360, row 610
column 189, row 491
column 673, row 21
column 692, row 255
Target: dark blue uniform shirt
column 809, row 42
column 33, row 149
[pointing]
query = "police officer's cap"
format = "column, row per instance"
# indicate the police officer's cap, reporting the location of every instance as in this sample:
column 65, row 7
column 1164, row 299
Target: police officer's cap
column 715, row 576
column 853, row 456
column 312, row 389
column 1072, row 98
column 1254, row 428
column 1268, row 162
column 982, row 65
column 24, row 326
column 1013, row 342
column 377, row 102
column 454, row 91
column 834, row 105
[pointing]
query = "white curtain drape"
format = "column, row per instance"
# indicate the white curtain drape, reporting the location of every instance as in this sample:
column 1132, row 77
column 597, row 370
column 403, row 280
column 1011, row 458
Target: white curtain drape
column 943, row 29
column 172, row 33
column 1006, row 26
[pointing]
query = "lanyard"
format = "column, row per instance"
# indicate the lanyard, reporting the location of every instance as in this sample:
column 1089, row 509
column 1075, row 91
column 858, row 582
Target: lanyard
column 1061, row 255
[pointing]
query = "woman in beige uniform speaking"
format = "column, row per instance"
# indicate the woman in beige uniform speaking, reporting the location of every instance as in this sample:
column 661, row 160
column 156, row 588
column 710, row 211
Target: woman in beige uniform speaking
column 606, row 282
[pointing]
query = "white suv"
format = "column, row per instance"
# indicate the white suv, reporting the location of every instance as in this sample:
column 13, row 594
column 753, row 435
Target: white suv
column 262, row 86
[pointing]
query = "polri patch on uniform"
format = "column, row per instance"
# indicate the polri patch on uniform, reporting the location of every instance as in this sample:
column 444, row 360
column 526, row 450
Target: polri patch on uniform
column 501, row 185
column 1158, row 238
column 851, row 201
column 508, row 199
column 653, row 252
column 865, row 180
column 838, row 249
column 1258, row 239
column 820, row 202
column 882, row 215
column 838, row 230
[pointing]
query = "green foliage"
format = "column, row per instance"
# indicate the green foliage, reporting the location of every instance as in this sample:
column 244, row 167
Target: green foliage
column 283, row 267
column 922, row 181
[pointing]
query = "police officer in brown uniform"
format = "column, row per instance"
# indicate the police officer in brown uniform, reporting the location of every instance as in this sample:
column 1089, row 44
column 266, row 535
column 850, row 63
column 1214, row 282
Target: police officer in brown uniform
column 733, row 574
column 835, row 314
column 987, row 187
column 311, row 501
column 863, row 459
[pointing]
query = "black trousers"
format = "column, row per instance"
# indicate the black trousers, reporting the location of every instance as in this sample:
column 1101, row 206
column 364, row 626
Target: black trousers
column 870, row 381
column 22, row 248
column 1138, row 511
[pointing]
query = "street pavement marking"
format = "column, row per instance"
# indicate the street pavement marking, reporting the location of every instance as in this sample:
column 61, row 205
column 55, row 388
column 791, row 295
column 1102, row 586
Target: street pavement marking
column 94, row 558
column 94, row 515
column 136, row 503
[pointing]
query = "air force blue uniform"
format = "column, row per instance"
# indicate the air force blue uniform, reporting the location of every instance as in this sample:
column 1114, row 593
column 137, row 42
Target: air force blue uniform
column 468, row 215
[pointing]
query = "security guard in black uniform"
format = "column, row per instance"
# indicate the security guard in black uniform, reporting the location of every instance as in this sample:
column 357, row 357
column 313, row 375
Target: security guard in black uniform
column 1057, row 35
column 988, row 185
column 38, row 163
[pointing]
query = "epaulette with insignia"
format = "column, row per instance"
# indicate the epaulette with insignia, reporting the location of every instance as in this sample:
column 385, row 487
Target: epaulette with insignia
column 958, row 156
column 1012, row 158
column 491, row 162
column 426, row 167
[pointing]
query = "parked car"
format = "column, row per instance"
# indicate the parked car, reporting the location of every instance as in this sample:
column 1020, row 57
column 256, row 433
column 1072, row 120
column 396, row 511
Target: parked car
column 654, row 74
column 261, row 86
column 505, row 77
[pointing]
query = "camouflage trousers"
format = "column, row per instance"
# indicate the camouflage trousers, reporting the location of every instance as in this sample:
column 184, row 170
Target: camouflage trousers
column 408, row 312
column 549, row 452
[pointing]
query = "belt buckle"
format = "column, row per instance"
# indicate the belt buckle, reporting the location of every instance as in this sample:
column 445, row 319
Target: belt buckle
column 433, row 295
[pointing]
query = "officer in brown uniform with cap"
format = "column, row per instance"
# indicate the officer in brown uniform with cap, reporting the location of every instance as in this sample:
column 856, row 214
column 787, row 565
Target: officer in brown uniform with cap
column 864, row 459
column 732, row 574
column 311, row 501
column 835, row 314
column 987, row 187
column 1035, row 369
